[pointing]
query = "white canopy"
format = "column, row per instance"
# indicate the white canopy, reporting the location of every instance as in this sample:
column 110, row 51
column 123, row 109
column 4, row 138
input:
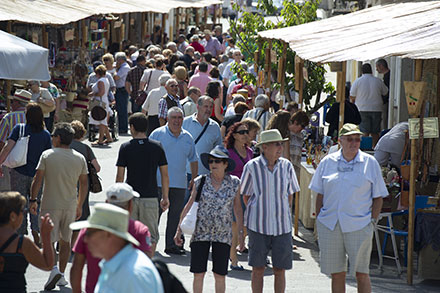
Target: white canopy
column 408, row 30
column 22, row 60
column 66, row 11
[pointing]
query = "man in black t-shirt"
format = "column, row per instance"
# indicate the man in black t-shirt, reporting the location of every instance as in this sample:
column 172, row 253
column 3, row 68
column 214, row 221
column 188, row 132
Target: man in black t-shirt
column 142, row 156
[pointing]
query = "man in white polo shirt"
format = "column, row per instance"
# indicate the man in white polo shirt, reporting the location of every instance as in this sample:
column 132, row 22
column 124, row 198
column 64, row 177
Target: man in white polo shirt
column 366, row 93
column 350, row 189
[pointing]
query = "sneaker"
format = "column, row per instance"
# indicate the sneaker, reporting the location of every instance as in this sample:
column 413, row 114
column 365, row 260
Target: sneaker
column 62, row 282
column 55, row 275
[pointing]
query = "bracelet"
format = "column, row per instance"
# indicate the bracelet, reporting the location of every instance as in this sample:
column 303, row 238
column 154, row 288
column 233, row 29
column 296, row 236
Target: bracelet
column 32, row 200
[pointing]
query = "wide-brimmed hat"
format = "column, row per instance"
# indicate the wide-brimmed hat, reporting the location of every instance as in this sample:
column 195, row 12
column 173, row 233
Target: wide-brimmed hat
column 349, row 129
column 120, row 192
column 218, row 152
column 272, row 135
column 109, row 218
column 22, row 96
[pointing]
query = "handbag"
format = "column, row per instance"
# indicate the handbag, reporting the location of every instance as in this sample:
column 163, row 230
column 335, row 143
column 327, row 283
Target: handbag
column 142, row 94
column 97, row 109
column 46, row 108
column 188, row 224
column 94, row 180
column 18, row 155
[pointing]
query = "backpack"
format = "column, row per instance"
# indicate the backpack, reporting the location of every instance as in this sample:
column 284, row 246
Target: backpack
column 170, row 283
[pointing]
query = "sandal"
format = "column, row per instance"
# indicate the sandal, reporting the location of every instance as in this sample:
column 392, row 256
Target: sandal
column 108, row 141
column 97, row 143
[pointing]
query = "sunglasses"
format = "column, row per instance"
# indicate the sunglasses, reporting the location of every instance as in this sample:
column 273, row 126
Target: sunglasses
column 217, row 161
column 355, row 139
column 243, row 132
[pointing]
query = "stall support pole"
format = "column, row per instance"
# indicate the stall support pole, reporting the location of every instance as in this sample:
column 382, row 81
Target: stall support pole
column 197, row 18
column 164, row 18
column 143, row 27
column 412, row 191
column 214, row 16
column 267, row 68
column 205, row 16
column 340, row 92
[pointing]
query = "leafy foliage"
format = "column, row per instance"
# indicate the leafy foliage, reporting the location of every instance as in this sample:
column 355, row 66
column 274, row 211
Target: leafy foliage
column 245, row 30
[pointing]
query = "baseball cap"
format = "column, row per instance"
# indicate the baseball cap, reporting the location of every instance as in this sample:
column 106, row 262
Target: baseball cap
column 120, row 192
column 349, row 129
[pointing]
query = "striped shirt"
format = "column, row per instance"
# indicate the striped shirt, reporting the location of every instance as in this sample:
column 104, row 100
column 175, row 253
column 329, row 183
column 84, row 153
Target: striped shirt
column 9, row 121
column 268, row 210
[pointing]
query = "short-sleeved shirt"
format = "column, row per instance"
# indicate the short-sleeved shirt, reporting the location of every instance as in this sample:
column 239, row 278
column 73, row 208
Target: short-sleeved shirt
column 368, row 91
column 200, row 80
column 179, row 150
column 207, row 141
column 348, row 189
column 83, row 149
column 134, row 78
column 130, row 270
column 142, row 157
column 93, row 78
column 268, row 209
column 239, row 160
column 9, row 121
column 189, row 106
column 151, row 104
column 45, row 95
column 122, row 73
column 135, row 228
column 163, row 107
column 62, row 168
column 213, row 46
column 38, row 143
column 154, row 80
column 214, row 215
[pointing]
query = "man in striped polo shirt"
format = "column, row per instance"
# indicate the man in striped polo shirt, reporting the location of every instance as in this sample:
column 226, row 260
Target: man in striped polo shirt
column 18, row 103
column 268, row 184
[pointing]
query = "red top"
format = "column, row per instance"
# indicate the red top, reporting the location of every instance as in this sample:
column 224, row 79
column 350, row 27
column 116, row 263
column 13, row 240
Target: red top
column 198, row 47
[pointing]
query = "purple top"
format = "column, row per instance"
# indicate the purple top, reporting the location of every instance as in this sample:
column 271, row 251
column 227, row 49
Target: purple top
column 239, row 161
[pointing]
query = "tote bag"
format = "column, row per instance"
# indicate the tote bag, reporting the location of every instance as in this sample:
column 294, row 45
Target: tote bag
column 18, row 155
column 188, row 224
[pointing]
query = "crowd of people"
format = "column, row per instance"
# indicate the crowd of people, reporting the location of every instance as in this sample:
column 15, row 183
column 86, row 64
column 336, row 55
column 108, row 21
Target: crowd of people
column 199, row 133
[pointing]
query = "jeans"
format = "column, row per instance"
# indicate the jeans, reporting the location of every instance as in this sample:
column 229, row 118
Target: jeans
column 121, row 97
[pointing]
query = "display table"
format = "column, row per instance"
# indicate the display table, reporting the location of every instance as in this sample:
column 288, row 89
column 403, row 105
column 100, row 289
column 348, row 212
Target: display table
column 307, row 198
column 427, row 243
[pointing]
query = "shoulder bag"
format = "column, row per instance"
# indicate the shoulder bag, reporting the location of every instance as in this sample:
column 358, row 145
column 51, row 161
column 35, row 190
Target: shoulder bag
column 94, row 180
column 18, row 155
column 142, row 94
column 188, row 224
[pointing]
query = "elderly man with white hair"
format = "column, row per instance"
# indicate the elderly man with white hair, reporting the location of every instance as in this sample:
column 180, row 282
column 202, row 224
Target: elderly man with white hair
column 151, row 104
column 169, row 100
column 121, row 96
column 179, row 149
column 173, row 47
column 227, row 72
column 261, row 111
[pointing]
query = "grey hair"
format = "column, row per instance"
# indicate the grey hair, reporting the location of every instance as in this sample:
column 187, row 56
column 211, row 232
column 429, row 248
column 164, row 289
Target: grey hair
column 261, row 100
column 174, row 110
column 32, row 82
column 194, row 38
column 170, row 44
column 170, row 80
column 238, row 98
column 164, row 78
column 123, row 205
column 193, row 90
column 120, row 56
column 236, row 51
column 189, row 48
column 203, row 99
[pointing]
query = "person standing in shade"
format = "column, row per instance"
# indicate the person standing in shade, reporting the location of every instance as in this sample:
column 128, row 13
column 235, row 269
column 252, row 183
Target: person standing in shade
column 123, row 267
column 121, row 96
column 382, row 68
column 142, row 157
column 268, row 183
column 350, row 189
column 132, row 81
column 366, row 93
column 179, row 149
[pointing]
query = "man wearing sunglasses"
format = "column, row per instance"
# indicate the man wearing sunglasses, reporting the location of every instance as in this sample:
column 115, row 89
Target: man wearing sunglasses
column 171, row 99
column 350, row 189
column 268, row 183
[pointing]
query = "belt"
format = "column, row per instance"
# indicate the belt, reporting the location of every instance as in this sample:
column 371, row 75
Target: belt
column 119, row 88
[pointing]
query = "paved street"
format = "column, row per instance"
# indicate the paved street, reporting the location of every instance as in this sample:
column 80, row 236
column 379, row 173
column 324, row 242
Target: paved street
column 305, row 276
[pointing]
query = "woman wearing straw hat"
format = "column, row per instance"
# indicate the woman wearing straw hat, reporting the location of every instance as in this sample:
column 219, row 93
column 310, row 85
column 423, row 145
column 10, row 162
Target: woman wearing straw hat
column 219, row 197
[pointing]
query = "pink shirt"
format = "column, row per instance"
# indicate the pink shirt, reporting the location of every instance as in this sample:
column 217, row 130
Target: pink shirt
column 239, row 161
column 135, row 228
column 200, row 80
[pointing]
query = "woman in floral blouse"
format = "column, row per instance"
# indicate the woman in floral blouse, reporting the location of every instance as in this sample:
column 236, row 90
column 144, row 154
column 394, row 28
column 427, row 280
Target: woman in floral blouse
column 220, row 196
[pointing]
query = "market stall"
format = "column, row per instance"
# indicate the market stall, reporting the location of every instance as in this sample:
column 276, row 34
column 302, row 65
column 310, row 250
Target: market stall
column 406, row 30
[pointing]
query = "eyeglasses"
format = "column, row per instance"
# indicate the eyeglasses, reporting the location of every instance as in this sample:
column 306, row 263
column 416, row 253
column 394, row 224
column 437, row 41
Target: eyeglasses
column 351, row 139
column 217, row 161
column 243, row 132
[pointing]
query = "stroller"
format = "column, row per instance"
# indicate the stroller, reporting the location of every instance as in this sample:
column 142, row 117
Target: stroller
column 113, row 126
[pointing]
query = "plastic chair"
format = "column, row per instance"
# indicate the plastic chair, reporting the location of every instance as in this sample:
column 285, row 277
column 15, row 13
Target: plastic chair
column 388, row 229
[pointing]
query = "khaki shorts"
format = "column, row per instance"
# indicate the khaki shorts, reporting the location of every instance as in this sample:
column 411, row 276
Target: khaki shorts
column 61, row 220
column 146, row 210
column 335, row 246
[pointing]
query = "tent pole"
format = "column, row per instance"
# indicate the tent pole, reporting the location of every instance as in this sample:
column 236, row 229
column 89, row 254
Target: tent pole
column 197, row 18
column 412, row 192
column 205, row 16
column 143, row 27
column 164, row 18
column 8, row 82
column 340, row 93
column 268, row 67
column 187, row 12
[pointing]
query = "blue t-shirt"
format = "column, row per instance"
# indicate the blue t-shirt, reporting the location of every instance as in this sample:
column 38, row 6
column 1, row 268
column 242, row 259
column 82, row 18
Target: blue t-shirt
column 38, row 143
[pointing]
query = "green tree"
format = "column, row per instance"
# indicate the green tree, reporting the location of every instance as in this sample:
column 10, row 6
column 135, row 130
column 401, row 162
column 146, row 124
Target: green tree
column 245, row 30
